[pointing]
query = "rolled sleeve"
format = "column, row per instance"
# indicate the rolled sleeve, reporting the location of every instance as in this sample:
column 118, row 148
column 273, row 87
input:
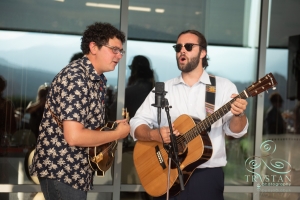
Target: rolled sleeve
column 146, row 114
column 228, row 132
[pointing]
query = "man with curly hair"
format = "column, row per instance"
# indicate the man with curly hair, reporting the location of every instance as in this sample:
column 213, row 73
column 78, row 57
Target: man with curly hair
column 74, row 108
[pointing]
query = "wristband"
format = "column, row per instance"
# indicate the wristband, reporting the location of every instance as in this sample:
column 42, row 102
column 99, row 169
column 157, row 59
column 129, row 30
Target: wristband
column 240, row 115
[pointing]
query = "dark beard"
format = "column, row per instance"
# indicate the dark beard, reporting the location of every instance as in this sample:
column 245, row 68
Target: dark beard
column 190, row 66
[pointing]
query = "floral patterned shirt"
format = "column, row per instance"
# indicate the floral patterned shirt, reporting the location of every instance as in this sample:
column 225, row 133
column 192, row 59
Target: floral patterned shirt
column 77, row 93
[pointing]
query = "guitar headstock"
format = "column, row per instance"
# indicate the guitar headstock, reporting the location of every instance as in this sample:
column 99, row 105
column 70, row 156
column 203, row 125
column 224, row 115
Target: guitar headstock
column 263, row 84
column 125, row 114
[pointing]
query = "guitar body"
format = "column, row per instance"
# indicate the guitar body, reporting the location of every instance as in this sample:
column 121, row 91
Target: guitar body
column 101, row 157
column 151, row 159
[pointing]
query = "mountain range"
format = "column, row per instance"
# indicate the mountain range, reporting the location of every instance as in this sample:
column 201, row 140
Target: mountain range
column 23, row 82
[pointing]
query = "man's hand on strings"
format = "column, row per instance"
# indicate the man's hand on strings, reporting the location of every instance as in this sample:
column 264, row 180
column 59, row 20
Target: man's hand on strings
column 166, row 132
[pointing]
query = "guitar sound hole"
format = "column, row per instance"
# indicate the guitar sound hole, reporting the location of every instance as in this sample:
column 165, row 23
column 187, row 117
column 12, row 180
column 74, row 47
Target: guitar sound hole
column 182, row 145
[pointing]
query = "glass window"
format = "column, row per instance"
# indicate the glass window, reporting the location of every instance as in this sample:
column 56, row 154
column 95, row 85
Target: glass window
column 284, row 22
column 40, row 196
column 30, row 58
column 238, row 64
column 161, row 21
column 57, row 16
column 280, row 135
column 99, row 195
column 134, row 196
column 148, row 20
column 279, row 160
column 223, row 23
column 232, row 196
column 40, row 57
column 275, row 195
column 163, row 62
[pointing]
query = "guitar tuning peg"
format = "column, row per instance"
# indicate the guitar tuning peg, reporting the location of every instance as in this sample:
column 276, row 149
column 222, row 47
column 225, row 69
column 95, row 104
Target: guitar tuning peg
column 274, row 88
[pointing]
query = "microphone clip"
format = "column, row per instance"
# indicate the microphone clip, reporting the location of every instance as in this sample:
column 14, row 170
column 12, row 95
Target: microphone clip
column 160, row 101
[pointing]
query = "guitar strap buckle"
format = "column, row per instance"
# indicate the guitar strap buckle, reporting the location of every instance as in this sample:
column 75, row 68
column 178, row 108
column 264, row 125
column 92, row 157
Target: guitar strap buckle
column 210, row 96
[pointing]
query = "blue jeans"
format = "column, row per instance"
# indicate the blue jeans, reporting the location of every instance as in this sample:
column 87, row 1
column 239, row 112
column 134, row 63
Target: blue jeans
column 56, row 190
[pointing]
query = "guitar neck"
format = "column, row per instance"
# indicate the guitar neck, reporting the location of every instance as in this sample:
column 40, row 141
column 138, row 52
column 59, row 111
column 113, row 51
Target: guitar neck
column 207, row 122
column 125, row 114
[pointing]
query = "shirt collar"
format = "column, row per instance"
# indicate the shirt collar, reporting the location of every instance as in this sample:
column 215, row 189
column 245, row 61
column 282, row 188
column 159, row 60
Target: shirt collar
column 203, row 79
column 93, row 75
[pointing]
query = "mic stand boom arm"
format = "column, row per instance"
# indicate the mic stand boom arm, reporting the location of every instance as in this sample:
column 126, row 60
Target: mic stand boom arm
column 173, row 150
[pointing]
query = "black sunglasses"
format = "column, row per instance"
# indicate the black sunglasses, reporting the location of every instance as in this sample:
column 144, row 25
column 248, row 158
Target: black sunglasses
column 187, row 46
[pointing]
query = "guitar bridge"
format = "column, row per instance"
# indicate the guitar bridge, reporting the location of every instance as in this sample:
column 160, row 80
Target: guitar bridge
column 160, row 158
column 98, row 158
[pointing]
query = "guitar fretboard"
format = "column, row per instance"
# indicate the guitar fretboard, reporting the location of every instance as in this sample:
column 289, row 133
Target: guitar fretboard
column 256, row 88
column 207, row 122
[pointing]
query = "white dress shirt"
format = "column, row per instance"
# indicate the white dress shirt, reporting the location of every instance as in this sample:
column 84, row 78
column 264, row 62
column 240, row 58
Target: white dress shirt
column 191, row 100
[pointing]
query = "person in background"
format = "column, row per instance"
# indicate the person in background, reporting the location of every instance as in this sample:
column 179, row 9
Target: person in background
column 8, row 123
column 274, row 121
column 36, row 109
column 75, row 107
column 140, row 83
column 20, row 121
column 297, row 118
column 186, row 95
column 76, row 56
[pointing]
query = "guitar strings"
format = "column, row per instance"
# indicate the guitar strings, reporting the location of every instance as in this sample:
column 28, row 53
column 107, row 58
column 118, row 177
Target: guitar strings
column 193, row 133
column 108, row 148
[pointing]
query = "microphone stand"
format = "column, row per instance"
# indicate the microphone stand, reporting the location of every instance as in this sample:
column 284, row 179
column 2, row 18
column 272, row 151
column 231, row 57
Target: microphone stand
column 173, row 150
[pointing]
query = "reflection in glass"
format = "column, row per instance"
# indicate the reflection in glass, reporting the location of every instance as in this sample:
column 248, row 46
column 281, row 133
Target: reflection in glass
column 234, row 196
column 65, row 17
column 163, row 66
column 269, row 195
column 39, row 196
column 135, row 196
column 284, row 139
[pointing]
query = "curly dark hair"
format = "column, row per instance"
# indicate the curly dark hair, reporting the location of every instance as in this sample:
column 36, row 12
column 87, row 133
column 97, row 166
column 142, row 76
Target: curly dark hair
column 100, row 33
column 201, row 41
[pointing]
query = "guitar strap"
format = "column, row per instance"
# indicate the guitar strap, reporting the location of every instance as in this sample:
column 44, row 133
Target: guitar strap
column 210, row 96
column 59, row 123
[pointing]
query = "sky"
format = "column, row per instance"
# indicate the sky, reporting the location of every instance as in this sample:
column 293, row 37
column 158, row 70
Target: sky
column 52, row 52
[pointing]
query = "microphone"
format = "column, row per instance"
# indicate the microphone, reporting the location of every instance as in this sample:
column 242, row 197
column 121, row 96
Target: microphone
column 159, row 98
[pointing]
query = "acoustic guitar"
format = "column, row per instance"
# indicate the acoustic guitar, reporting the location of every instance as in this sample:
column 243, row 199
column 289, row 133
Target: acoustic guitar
column 101, row 157
column 194, row 147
